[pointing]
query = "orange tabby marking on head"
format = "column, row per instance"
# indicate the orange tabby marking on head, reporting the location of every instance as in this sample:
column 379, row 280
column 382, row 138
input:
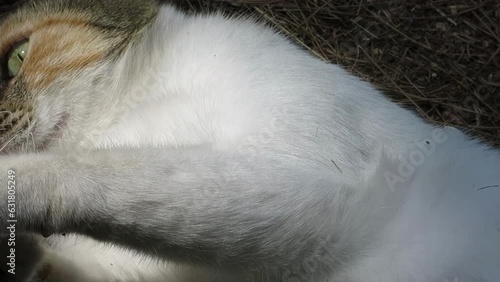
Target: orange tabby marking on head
column 58, row 46
column 56, row 51
column 17, row 27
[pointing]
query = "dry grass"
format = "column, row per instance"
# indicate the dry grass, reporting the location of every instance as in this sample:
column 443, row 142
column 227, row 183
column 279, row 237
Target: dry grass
column 440, row 57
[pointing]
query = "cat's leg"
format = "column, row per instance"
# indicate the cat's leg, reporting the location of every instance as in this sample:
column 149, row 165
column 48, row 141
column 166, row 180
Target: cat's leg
column 190, row 205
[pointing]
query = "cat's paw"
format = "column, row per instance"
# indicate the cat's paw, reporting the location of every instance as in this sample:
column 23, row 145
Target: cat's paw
column 28, row 192
column 20, row 257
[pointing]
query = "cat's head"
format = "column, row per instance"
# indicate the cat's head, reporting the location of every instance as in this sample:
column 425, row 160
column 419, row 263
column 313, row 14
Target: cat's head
column 54, row 59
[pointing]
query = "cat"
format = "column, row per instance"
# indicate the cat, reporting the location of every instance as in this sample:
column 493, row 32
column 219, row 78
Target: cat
column 140, row 143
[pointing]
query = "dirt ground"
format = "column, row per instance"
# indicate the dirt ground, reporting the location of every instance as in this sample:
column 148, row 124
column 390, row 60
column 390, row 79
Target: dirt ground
column 439, row 57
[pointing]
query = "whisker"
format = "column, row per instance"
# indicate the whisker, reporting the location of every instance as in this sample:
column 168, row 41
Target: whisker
column 31, row 125
column 8, row 142
column 57, row 125
column 33, row 140
column 24, row 144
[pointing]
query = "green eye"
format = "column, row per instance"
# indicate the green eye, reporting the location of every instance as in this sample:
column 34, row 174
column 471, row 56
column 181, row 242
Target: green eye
column 16, row 58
